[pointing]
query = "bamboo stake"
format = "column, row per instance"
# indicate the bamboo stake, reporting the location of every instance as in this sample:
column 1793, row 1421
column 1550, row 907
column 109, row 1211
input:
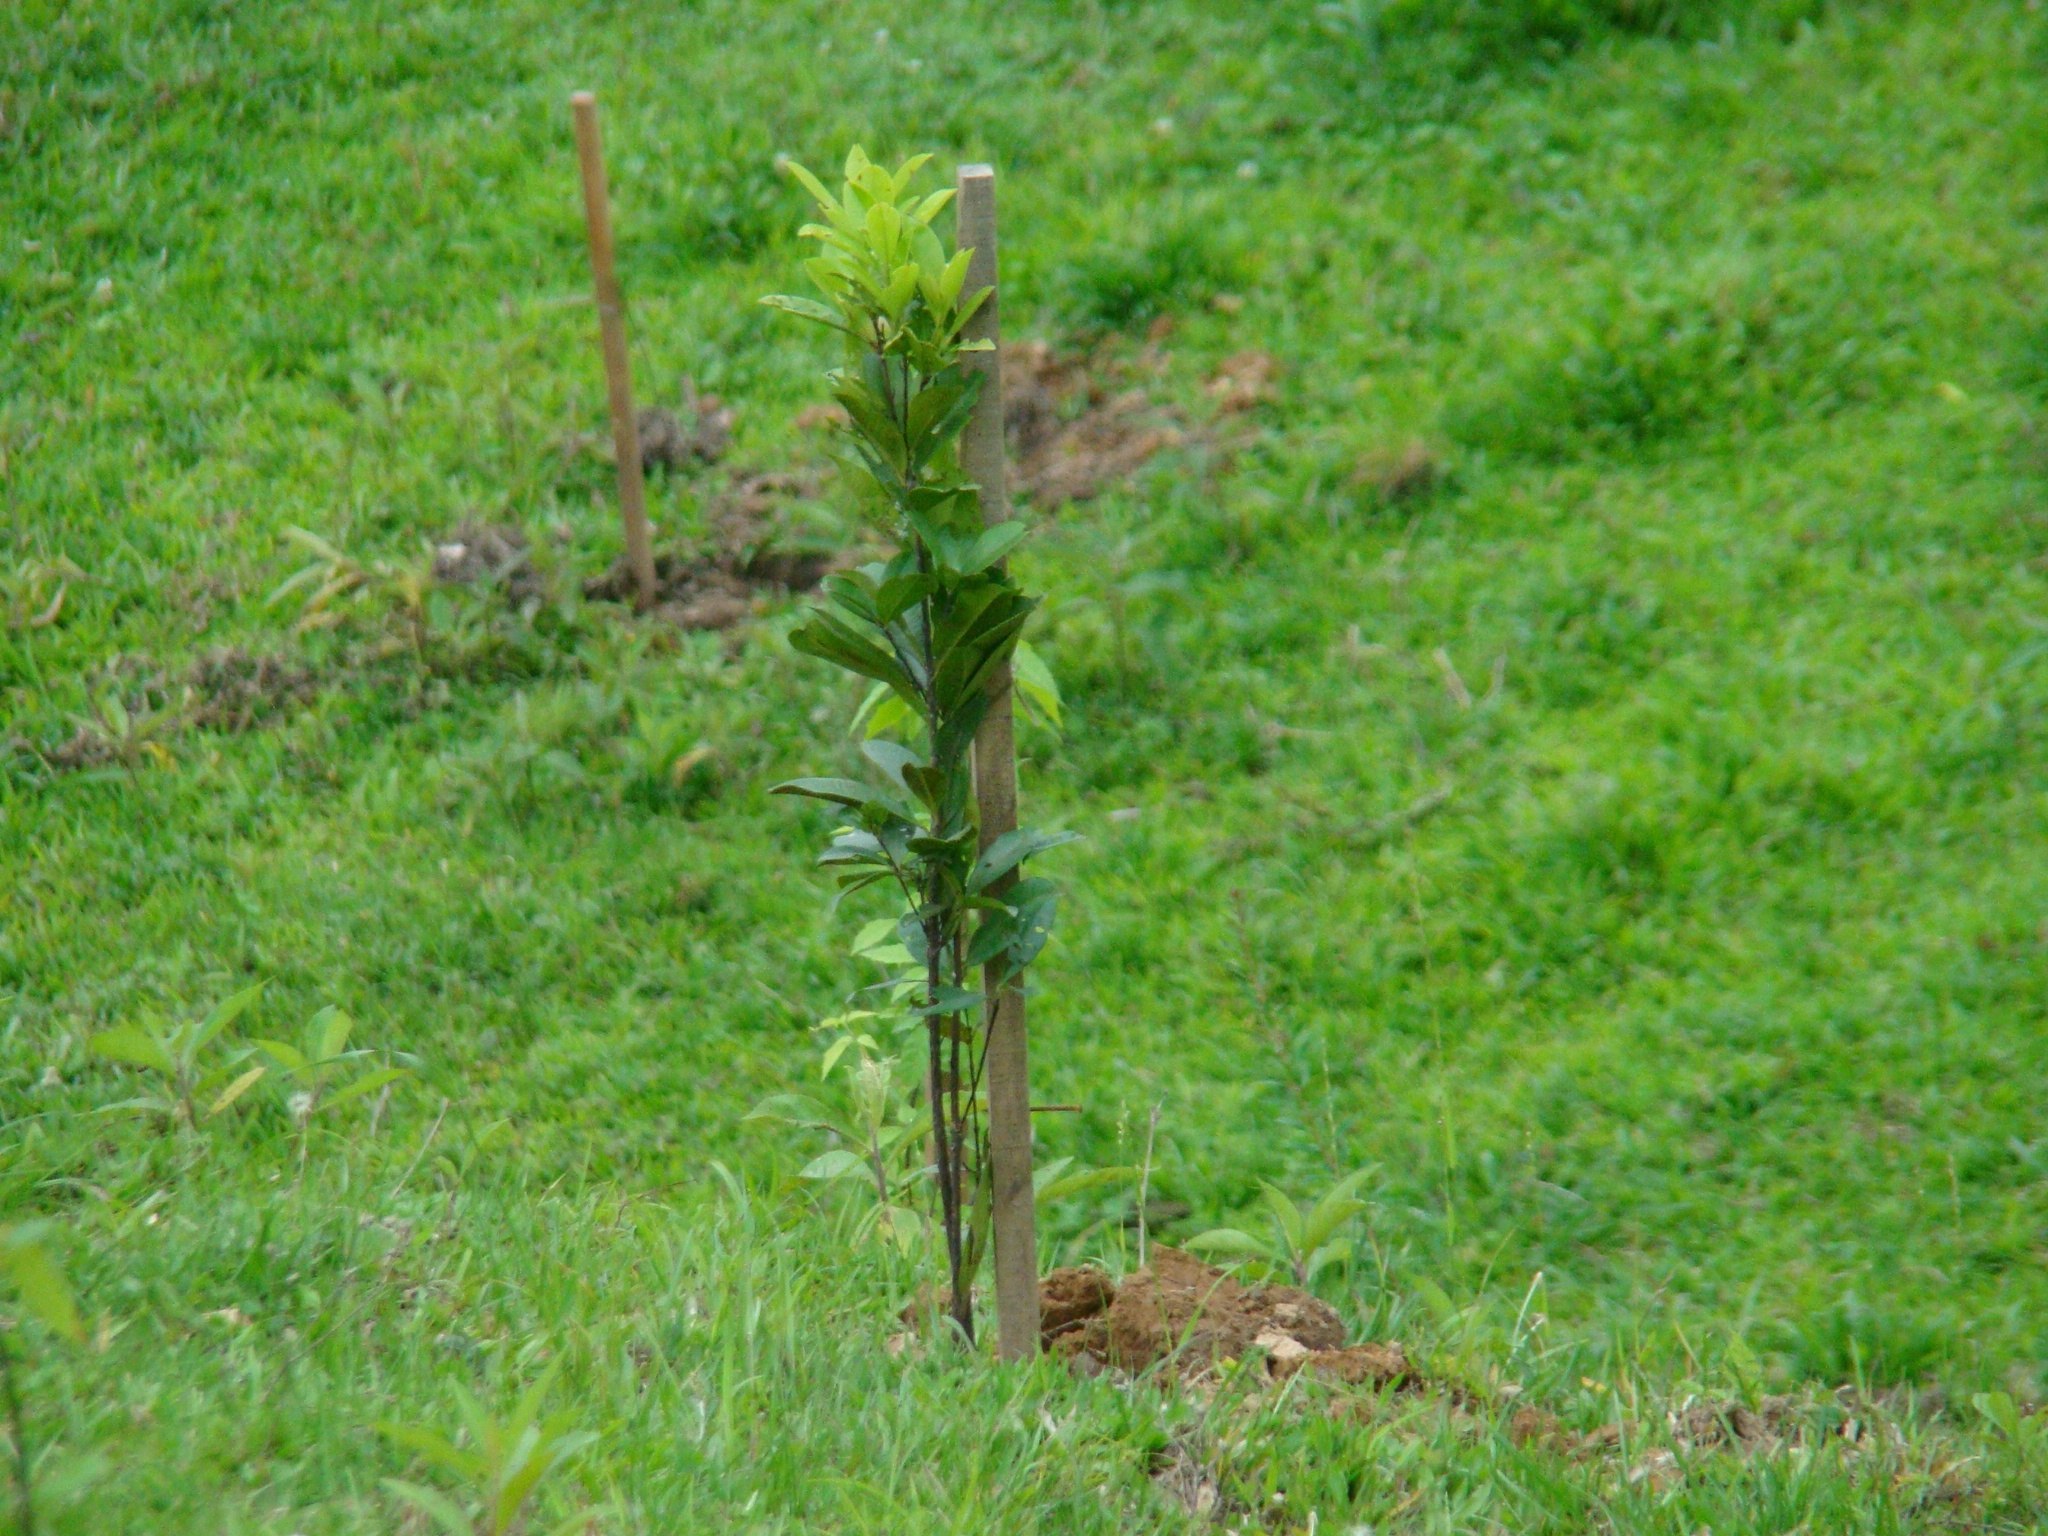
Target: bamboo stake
column 995, row 788
column 611, row 324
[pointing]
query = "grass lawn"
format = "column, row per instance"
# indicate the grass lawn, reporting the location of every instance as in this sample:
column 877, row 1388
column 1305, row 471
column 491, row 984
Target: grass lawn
column 1575, row 742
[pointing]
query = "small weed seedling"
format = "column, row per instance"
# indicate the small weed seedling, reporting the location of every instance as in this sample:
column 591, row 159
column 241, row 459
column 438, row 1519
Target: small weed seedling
column 182, row 1057
column 933, row 624
column 312, row 1072
column 499, row 1463
column 396, row 593
column 1303, row 1242
column 876, row 1130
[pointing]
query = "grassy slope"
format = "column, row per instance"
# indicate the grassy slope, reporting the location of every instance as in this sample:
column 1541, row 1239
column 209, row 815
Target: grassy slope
column 1714, row 993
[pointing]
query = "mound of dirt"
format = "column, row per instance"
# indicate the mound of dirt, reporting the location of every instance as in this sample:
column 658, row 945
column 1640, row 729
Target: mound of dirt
column 750, row 551
column 1189, row 1315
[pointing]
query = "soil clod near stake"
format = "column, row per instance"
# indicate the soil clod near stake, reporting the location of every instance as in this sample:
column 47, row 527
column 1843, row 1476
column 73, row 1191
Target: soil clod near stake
column 751, row 550
column 1189, row 1315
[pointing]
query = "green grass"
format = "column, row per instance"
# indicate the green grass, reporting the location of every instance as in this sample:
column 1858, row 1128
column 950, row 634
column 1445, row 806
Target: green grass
column 1714, row 992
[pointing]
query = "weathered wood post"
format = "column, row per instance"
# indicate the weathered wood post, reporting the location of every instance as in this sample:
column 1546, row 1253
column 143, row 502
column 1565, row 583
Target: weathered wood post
column 995, row 788
column 611, row 325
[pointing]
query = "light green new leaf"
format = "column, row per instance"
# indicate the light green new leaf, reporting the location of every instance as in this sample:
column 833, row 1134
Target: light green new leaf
column 1286, row 1216
column 836, row 1164
column 287, row 1056
column 224, row 1015
column 33, row 1272
column 133, row 1046
column 1230, row 1243
column 1332, row 1211
column 329, row 1031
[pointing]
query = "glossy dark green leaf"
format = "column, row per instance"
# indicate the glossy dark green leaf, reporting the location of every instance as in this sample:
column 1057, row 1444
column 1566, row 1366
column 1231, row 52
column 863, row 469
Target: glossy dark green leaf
column 1010, row 850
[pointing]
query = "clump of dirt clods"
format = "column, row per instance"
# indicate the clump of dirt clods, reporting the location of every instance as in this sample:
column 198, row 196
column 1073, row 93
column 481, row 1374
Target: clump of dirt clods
column 495, row 554
column 750, row 550
column 1189, row 1315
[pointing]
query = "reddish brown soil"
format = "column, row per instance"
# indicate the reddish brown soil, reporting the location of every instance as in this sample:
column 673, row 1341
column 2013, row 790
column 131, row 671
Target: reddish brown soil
column 1188, row 1314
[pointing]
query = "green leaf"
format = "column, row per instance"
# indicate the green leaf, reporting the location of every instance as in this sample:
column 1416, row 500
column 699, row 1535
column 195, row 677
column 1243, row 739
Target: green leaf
column 832, row 641
column 793, row 1109
column 224, row 1015
column 810, row 309
column 1286, row 1216
column 433, row 1445
column 133, row 1046
column 329, row 1030
column 1012, row 849
column 369, row 1082
column 1230, row 1243
column 882, row 710
column 811, row 184
column 949, row 1000
column 1332, row 1211
column 838, row 791
column 289, row 1057
column 1034, row 680
column 34, row 1273
column 892, row 758
column 836, row 1164
column 993, row 544
column 1329, row 1256
column 1081, row 1181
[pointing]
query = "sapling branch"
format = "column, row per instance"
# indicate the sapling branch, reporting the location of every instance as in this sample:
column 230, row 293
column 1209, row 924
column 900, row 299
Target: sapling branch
column 935, row 625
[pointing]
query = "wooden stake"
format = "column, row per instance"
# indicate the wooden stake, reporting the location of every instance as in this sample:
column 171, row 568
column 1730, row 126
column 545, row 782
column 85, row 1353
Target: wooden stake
column 995, row 788
column 611, row 324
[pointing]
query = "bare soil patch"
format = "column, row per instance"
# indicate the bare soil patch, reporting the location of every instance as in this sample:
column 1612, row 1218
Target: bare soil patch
column 1077, row 426
column 227, row 689
column 751, row 550
column 697, row 431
